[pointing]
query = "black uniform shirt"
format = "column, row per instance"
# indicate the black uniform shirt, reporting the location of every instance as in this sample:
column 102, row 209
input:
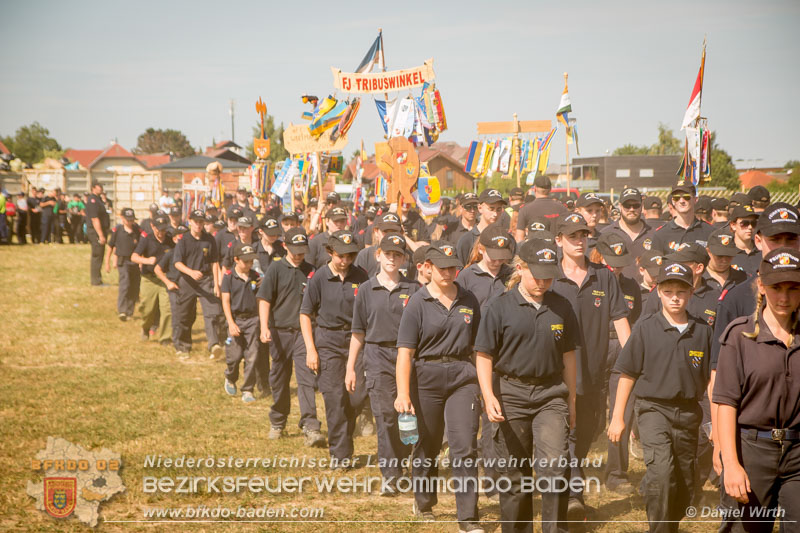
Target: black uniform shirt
column 432, row 330
column 331, row 298
column 283, row 287
column 47, row 209
column 759, row 376
column 668, row 365
column 167, row 266
column 224, row 237
column 197, row 254
column 482, row 284
column 146, row 225
column 96, row 209
column 526, row 342
column 749, row 262
column 317, row 254
column 596, row 302
column 636, row 247
column 242, row 291
column 150, row 247
column 465, row 244
column 124, row 243
column 632, row 293
column 414, row 227
column 265, row 258
column 670, row 235
column 548, row 208
column 367, row 261
column 377, row 310
column 453, row 233
column 739, row 301
column 227, row 253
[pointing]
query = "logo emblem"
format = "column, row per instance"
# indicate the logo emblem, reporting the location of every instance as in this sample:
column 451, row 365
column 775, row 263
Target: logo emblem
column 784, row 260
column 695, row 358
column 597, row 302
column 347, row 238
column 448, row 251
column 725, row 239
column 675, row 269
column 537, row 226
column 673, row 245
column 558, row 331
column 501, row 242
column 548, row 254
column 60, row 496
column 630, row 304
column 468, row 319
column 647, row 244
column 617, row 248
column 784, row 214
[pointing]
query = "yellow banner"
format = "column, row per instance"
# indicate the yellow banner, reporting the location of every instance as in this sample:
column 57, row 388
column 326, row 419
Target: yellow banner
column 383, row 82
column 297, row 140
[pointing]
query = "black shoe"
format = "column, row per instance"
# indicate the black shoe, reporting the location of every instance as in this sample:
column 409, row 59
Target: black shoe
column 576, row 508
column 123, row 317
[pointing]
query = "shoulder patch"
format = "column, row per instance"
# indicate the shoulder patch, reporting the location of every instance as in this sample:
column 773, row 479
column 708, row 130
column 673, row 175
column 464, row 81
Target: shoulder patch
column 115, row 229
column 227, row 272
column 144, row 233
column 311, row 274
column 230, row 244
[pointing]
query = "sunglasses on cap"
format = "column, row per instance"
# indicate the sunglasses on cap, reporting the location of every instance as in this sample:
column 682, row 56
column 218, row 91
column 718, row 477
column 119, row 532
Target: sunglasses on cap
column 686, row 197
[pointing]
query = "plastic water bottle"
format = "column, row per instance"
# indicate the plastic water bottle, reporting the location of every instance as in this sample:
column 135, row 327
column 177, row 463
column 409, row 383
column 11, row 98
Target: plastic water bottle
column 229, row 340
column 407, row 424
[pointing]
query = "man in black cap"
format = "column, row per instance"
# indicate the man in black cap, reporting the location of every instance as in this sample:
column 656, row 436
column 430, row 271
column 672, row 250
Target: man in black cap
column 637, row 234
column 336, row 221
column 365, row 221
column 467, row 220
column 289, row 220
column 590, row 207
column 242, row 203
column 175, row 216
column 124, row 239
column 685, row 227
column 743, row 223
column 386, row 223
column 702, row 209
column 739, row 198
column 719, row 213
column 97, row 225
column 652, row 207
column 146, row 223
column 760, row 198
column 542, row 207
column 226, row 236
column 490, row 206
column 154, row 295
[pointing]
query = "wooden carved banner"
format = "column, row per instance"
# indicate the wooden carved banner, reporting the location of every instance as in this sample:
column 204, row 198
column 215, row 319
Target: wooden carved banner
column 383, row 82
column 297, row 139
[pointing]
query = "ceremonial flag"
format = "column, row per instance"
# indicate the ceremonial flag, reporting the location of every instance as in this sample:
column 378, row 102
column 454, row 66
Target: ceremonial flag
column 565, row 106
column 693, row 111
column 326, row 121
column 471, row 163
column 374, row 57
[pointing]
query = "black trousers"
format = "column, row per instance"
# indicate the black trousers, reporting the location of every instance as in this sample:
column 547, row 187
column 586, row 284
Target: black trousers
column 129, row 280
column 189, row 292
column 617, row 465
column 36, row 227
column 287, row 348
column 76, row 229
column 668, row 433
column 537, row 424
column 704, row 466
column 590, row 419
column 48, row 220
column 21, row 227
column 379, row 364
column 98, row 252
column 341, row 407
column 59, row 226
column 773, row 468
column 175, row 311
column 446, row 394
column 245, row 346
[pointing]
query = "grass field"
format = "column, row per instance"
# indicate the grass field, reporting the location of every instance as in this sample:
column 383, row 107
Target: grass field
column 71, row 369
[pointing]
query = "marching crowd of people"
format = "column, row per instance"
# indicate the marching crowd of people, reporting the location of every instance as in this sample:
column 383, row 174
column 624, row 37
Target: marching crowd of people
column 521, row 319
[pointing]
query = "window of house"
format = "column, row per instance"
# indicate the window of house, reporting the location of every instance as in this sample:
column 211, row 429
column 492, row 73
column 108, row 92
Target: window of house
column 448, row 179
column 646, row 173
column 623, row 173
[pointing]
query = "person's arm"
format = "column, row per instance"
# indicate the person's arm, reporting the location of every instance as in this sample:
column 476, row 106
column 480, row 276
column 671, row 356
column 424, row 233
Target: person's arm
column 312, row 357
column 617, row 425
column 109, row 257
column 402, row 404
column 160, row 274
column 716, row 458
column 356, row 344
column 737, row 483
column 263, row 317
column 233, row 329
column 98, row 228
column 194, row 274
column 570, row 376
column 217, row 277
column 519, row 235
column 623, row 330
column 483, row 366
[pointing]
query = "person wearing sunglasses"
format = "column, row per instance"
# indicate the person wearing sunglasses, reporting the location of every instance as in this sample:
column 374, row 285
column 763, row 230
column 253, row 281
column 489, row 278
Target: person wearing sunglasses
column 633, row 229
column 467, row 220
column 685, row 227
column 490, row 205
column 743, row 222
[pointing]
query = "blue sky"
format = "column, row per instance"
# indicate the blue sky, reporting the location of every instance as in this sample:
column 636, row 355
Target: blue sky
column 94, row 71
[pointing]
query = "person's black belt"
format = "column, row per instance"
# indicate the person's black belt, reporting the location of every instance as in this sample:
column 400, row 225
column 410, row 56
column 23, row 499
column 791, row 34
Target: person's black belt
column 445, row 358
column 545, row 380
column 339, row 328
column 386, row 344
column 613, row 334
column 773, row 434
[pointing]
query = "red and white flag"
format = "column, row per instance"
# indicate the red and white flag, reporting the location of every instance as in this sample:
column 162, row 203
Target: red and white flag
column 693, row 111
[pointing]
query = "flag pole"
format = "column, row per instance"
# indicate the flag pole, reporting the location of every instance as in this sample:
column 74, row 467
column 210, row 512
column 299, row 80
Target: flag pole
column 566, row 144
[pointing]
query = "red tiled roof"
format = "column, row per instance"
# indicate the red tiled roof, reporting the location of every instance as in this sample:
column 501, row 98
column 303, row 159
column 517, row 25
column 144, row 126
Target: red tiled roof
column 84, row 157
column 153, row 160
column 371, row 170
column 225, row 144
column 452, row 149
column 751, row 178
column 115, row 150
column 3, row 148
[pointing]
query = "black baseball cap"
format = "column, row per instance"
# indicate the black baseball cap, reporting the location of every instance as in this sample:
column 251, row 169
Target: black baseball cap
column 689, row 252
column 703, row 205
column 721, row 242
column 491, row 196
column 270, row 226
column 630, row 193
column 740, row 198
column 614, row 250
column 719, row 204
column 652, row 202
column 296, row 240
column 779, row 217
column 419, row 254
column 588, row 198
column 127, row 212
column 389, row 222
column 246, row 222
column 543, row 182
column 469, row 198
column 291, row 215
column 180, row 229
column 540, row 257
column 343, row 242
column 234, row 212
column 313, row 201
column 517, row 191
column 210, row 218
column 332, row 197
column 245, row 252
column 210, row 207
column 781, row 264
column 219, row 224
column 393, row 243
column 442, row 254
column 197, row 214
column 651, row 261
column 371, row 211
column 674, row 271
column 336, row 213
column 175, row 211
column 759, row 193
column 742, row 211
column 497, row 242
column 160, row 222
column 153, row 208
column 686, row 188
column 571, row 223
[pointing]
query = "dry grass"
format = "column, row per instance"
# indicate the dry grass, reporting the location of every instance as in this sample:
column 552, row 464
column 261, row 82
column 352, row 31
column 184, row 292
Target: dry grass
column 71, row 369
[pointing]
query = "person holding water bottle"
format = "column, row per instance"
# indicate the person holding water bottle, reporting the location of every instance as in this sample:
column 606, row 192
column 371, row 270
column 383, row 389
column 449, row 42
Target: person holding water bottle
column 377, row 311
column 526, row 368
column 435, row 340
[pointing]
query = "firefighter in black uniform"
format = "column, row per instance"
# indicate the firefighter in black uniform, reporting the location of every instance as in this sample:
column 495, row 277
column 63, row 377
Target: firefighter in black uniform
column 124, row 239
column 435, row 340
column 336, row 221
column 269, row 247
column 759, row 400
column 685, row 227
column 197, row 258
column 329, row 297
column 97, row 225
column 166, row 272
column 154, row 294
column 377, row 312
column 527, row 337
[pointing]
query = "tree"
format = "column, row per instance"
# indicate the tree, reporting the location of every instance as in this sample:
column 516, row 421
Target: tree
column 277, row 152
column 630, row 149
column 154, row 141
column 792, row 163
column 30, row 142
column 723, row 171
column 667, row 144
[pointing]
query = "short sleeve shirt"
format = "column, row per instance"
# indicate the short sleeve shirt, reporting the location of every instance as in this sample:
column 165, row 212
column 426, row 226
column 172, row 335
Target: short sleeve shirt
column 149, row 246
column 482, row 284
column 197, row 254
column 96, row 209
column 242, row 291
column 669, row 236
column 331, row 298
column 377, row 310
column 283, row 287
column 124, row 242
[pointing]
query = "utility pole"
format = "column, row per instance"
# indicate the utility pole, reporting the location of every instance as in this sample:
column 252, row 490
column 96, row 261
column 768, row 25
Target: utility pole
column 233, row 135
